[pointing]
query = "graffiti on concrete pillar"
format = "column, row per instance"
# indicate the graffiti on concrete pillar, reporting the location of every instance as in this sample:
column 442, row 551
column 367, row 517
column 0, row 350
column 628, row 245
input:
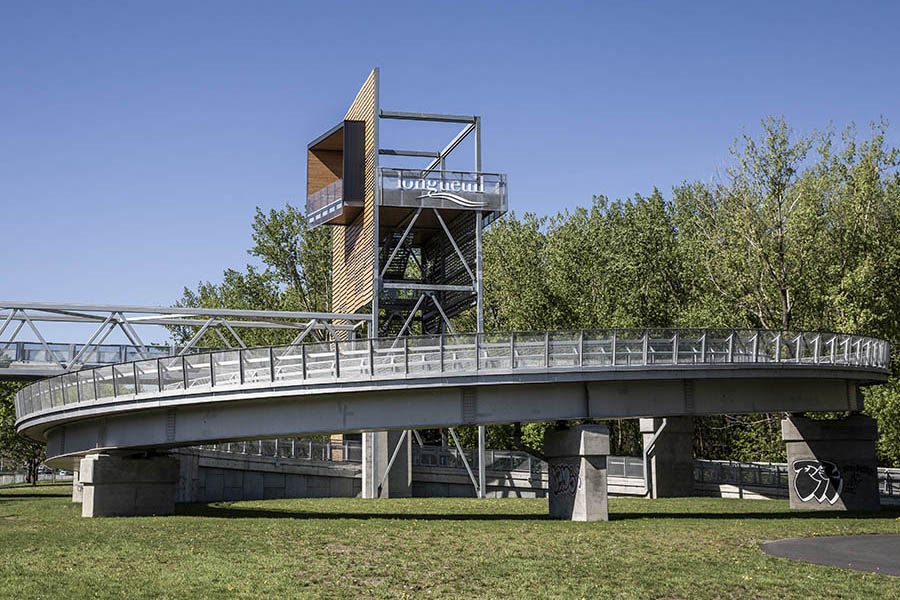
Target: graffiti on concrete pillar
column 819, row 479
column 564, row 479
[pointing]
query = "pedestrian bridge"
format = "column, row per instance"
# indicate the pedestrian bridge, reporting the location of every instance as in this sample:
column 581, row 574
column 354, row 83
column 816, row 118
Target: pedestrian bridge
column 444, row 380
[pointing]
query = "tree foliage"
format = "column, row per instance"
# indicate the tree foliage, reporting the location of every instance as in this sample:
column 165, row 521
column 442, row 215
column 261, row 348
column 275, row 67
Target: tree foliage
column 295, row 276
column 798, row 231
column 16, row 451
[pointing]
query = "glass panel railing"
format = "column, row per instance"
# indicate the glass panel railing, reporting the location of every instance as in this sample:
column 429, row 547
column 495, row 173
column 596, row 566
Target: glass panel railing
column 321, row 204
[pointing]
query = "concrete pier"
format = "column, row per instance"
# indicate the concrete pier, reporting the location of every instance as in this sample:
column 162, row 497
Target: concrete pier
column 120, row 486
column 577, row 472
column 831, row 464
column 378, row 448
column 77, row 489
column 671, row 458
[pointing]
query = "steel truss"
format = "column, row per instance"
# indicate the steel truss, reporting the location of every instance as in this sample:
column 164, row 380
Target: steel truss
column 430, row 291
column 225, row 323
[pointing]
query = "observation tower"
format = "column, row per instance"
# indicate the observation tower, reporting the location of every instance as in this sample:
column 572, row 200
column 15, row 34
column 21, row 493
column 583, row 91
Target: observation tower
column 406, row 242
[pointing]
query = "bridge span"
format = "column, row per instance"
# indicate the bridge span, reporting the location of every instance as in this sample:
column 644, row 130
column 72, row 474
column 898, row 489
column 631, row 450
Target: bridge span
column 445, row 380
column 92, row 419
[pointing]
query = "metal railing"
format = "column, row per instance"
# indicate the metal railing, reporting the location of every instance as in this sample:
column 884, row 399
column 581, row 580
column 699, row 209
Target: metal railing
column 35, row 354
column 760, row 475
column 295, row 448
column 453, row 355
column 774, row 476
column 325, row 201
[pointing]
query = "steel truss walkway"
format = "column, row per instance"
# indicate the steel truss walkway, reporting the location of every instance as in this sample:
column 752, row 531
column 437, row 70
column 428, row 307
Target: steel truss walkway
column 445, row 380
column 34, row 360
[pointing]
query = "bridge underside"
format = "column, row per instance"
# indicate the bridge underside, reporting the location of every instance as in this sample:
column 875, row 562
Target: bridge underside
column 190, row 420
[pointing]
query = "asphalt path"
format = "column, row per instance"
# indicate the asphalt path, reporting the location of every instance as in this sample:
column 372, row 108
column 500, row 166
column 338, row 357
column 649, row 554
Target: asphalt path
column 869, row 553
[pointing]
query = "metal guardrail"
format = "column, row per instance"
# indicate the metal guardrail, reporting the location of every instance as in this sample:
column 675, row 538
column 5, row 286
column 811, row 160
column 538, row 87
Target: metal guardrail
column 34, row 354
column 295, row 448
column 453, row 355
column 760, row 475
column 774, row 476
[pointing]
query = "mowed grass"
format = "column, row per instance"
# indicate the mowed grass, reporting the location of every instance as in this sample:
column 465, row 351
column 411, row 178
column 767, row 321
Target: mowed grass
column 411, row 548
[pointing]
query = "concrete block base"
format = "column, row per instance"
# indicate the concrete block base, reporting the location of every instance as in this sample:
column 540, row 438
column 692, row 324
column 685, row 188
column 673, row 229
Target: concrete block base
column 117, row 486
column 577, row 472
column 671, row 459
column 831, row 464
column 77, row 489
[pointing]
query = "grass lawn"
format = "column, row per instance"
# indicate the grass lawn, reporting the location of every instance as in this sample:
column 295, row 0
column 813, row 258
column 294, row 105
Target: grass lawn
column 406, row 548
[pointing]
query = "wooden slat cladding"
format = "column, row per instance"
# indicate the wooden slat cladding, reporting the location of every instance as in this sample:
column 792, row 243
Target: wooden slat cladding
column 352, row 251
column 323, row 167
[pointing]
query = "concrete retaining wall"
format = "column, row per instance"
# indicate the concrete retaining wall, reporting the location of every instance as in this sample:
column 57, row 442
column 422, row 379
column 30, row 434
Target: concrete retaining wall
column 209, row 476
column 212, row 476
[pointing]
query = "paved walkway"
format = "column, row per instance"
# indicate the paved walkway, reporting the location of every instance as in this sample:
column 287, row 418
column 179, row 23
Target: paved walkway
column 869, row 553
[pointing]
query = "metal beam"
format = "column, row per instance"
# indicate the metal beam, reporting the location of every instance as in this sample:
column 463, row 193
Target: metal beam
column 465, row 461
column 436, row 117
column 416, row 153
column 178, row 310
column 406, row 285
column 187, row 321
column 459, row 253
column 450, row 147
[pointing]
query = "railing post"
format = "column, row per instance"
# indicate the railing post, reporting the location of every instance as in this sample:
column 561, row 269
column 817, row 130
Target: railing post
column 756, row 346
column 799, row 350
column 675, row 348
column 546, row 349
column 184, row 376
column 778, row 347
column 94, row 377
column 159, row 378
column 272, row 364
column 646, row 346
column 372, row 357
column 337, row 360
column 816, row 348
column 115, row 385
column 703, row 347
column 512, row 350
column 581, row 347
column 303, row 357
column 731, row 347
column 406, row 355
column 441, row 350
column 477, row 352
column 614, row 336
column 212, row 372
column 137, row 387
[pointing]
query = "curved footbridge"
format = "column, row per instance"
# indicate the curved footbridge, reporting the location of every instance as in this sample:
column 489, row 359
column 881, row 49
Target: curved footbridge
column 448, row 380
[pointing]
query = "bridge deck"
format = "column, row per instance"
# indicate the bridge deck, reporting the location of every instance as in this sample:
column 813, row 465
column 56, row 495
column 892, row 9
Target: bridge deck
column 405, row 376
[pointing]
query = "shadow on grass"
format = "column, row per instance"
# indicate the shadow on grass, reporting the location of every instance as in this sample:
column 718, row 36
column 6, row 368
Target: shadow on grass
column 761, row 515
column 226, row 512
column 4, row 496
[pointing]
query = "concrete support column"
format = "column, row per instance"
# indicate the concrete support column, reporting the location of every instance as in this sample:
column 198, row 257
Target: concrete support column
column 378, row 448
column 831, row 464
column 577, row 472
column 670, row 468
column 119, row 486
column 77, row 488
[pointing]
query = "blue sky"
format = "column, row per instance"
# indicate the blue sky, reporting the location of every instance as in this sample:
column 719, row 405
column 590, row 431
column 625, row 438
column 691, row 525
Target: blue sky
column 136, row 138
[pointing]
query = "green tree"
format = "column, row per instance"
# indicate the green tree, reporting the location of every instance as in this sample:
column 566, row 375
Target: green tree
column 296, row 276
column 17, row 451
